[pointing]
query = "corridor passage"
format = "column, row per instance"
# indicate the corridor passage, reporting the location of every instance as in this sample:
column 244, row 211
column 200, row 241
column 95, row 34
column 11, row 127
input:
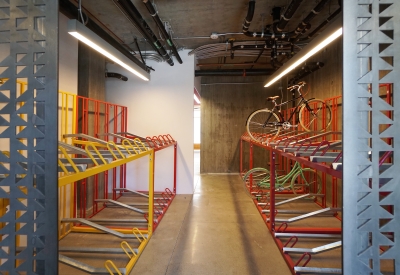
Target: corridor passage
column 218, row 230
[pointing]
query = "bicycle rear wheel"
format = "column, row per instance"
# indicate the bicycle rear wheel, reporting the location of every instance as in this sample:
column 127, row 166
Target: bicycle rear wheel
column 315, row 115
column 306, row 181
column 258, row 129
column 253, row 178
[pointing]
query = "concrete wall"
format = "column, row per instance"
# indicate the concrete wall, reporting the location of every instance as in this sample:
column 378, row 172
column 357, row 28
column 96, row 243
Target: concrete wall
column 164, row 105
column 92, row 69
column 225, row 108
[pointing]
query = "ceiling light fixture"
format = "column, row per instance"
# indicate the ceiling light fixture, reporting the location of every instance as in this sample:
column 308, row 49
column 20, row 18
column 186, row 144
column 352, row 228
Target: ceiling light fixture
column 91, row 39
column 321, row 41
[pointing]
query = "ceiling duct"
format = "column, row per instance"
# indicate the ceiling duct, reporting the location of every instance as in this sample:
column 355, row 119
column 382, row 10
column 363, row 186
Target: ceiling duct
column 136, row 18
column 70, row 10
column 160, row 25
column 254, row 72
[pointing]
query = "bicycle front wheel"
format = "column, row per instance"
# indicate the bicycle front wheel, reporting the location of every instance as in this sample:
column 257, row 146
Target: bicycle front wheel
column 306, row 181
column 255, row 178
column 315, row 115
column 263, row 125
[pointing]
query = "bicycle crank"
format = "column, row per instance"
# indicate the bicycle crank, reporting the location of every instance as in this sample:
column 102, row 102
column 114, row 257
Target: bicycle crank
column 286, row 125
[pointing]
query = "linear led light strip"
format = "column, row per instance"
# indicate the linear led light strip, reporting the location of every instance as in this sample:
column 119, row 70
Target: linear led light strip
column 313, row 51
column 82, row 33
column 196, row 99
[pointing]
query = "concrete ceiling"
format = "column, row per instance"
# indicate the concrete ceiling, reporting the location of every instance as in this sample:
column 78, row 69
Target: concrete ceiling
column 193, row 21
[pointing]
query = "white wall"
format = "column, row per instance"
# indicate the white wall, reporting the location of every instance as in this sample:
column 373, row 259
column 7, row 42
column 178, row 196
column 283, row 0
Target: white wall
column 197, row 80
column 67, row 82
column 164, row 105
column 67, row 58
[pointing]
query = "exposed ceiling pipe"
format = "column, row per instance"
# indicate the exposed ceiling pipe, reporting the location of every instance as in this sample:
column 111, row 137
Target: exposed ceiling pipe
column 152, row 56
column 232, row 64
column 285, row 18
column 70, row 10
column 249, row 17
column 253, row 72
column 117, row 75
column 276, row 15
column 136, row 18
column 258, row 57
column 330, row 18
column 160, row 25
column 137, row 46
column 305, row 23
column 249, row 47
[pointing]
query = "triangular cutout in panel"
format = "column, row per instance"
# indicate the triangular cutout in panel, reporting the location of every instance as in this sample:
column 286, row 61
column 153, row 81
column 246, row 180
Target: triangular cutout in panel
column 384, row 127
column 383, row 73
column 389, row 33
column 383, row 46
column 383, row 20
column 387, row 59
column 383, row 7
column 387, row 113
column 20, row 56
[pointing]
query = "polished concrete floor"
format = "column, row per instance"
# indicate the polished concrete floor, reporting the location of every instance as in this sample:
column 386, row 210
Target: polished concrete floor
column 217, row 230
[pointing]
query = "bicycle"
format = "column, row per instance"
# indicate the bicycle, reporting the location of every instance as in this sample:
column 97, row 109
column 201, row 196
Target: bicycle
column 298, row 180
column 312, row 114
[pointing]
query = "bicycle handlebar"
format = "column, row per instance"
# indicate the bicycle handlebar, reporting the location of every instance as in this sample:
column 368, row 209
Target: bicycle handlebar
column 301, row 84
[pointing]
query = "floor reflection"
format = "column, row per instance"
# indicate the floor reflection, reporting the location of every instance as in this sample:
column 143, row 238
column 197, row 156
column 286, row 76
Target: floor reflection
column 196, row 168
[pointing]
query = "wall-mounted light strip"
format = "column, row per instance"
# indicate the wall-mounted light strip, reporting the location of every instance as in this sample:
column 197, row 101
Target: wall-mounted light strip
column 91, row 39
column 330, row 34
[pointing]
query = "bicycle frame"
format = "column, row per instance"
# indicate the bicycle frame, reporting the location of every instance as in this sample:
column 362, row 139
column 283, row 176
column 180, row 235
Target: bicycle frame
column 295, row 110
column 277, row 109
column 280, row 181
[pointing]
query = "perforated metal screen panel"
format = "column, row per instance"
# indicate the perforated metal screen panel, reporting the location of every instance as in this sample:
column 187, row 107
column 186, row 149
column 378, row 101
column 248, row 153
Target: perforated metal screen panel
column 371, row 190
column 28, row 136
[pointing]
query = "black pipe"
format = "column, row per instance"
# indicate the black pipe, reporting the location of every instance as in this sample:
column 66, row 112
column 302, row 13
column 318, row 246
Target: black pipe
column 276, row 14
column 117, row 75
column 140, row 52
column 136, row 18
column 258, row 57
column 160, row 25
column 285, row 18
column 333, row 15
column 254, row 72
column 70, row 11
column 249, row 17
column 303, row 24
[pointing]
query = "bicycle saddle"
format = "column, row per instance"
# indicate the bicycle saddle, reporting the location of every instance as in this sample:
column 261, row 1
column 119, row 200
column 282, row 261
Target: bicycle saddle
column 272, row 98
